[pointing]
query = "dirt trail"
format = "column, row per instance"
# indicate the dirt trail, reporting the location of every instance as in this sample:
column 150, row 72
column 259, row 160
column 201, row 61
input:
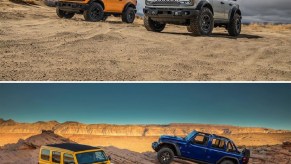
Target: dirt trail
column 36, row 45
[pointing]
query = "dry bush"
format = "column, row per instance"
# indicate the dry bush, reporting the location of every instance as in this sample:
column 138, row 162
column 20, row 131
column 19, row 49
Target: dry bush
column 270, row 26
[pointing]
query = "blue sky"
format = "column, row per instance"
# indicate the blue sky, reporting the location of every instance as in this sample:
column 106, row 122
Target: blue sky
column 264, row 105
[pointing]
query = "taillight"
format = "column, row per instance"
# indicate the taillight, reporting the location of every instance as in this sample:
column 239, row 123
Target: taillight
column 245, row 160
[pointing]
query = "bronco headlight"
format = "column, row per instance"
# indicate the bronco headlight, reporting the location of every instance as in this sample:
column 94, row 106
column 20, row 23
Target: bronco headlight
column 186, row 2
column 148, row 2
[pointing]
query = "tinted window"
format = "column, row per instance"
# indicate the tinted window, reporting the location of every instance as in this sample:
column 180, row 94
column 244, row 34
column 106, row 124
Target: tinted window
column 91, row 157
column 56, row 157
column 68, row 159
column 200, row 139
column 230, row 147
column 218, row 143
column 45, row 154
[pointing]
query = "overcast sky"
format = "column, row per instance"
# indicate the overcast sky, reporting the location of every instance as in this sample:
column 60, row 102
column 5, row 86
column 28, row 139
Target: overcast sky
column 277, row 11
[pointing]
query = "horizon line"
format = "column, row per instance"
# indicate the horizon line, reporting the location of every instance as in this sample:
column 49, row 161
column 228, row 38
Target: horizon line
column 144, row 124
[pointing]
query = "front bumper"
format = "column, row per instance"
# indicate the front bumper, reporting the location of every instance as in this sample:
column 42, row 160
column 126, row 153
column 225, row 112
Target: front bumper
column 175, row 13
column 155, row 145
column 71, row 6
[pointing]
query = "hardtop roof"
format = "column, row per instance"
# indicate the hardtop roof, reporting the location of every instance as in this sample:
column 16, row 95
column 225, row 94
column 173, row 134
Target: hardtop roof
column 73, row 147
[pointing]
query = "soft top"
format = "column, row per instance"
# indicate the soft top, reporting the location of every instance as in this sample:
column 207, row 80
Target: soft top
column 73, row 147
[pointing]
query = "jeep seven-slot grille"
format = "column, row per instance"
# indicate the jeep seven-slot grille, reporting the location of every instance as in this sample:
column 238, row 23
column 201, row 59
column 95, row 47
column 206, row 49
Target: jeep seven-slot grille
column 166, row 2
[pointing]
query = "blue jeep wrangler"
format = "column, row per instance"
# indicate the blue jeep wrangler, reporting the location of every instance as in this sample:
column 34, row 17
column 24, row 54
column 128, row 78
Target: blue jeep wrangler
column 200, row 147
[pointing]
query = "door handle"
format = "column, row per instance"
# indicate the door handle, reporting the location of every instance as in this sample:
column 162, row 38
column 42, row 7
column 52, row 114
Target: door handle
column 222, row 2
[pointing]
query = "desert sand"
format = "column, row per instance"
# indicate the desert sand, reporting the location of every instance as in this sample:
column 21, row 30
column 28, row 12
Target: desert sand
column 36, row 45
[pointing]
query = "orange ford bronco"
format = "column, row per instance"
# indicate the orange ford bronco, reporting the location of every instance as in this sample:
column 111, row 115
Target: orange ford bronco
column 97, row 10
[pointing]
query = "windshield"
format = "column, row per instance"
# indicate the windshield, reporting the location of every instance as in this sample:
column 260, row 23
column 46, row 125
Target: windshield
column 188, row 137
column 91, row 157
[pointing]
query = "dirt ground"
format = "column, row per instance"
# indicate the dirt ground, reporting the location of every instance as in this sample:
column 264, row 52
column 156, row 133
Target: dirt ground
column 36, row 45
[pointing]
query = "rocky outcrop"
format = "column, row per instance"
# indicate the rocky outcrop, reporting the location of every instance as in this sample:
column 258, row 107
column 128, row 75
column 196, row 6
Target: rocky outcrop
column 10, row 126
column 36, row 141
column 271, row 154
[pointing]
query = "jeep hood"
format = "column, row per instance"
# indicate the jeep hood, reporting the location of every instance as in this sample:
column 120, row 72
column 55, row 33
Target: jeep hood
column 171, row 138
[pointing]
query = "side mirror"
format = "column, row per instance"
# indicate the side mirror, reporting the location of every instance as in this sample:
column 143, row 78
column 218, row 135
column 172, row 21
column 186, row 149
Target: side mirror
column 109, row 157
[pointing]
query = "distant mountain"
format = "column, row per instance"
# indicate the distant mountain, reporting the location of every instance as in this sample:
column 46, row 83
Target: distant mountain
column 10, row 126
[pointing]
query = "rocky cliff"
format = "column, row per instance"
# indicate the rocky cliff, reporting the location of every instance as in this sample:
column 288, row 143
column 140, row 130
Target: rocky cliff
column 10, row 126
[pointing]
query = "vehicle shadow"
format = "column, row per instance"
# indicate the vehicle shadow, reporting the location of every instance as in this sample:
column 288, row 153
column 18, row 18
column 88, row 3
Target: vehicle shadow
column 225, row 35
column 114, row 22
column 220, row 35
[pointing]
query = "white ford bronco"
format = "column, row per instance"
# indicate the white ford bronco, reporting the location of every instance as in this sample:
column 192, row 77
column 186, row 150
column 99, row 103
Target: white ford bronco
column 200, row 16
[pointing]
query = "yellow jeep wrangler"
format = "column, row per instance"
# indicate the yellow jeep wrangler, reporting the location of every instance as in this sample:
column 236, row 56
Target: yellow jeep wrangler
column 97, row 10
column 68, row 153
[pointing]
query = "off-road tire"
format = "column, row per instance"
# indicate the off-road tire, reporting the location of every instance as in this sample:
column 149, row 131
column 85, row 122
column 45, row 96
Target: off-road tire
column 165, row 155
column 202, row 24
column 64, row 14
column 234, row 26
column 151, row 25
column 227, row 162
column 94, row 13
column 128, row 15
column 104, row 18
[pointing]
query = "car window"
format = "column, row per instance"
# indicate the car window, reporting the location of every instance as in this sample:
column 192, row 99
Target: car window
column 68, row 159
column 200, row 139
column 45, row 154
column 218, row 143
column 56, row 157
column 230, row 147
column 91, row 157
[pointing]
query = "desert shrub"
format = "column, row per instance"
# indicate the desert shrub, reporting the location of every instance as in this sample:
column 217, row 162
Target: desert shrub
column 270, row 26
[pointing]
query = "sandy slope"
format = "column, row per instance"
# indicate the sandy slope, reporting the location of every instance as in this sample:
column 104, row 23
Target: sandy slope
column 36, row 45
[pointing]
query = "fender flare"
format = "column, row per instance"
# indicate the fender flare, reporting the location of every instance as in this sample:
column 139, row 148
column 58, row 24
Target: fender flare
column 98, row 1
column 204, row 3
column 233, row 11
column 178, row 152
column 227, row 157
column 129, row 4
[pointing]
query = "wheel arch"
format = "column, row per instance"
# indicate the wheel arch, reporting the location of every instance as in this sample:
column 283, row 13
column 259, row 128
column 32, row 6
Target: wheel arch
column 172, row 146
column 233, row 11
column 204, row 3
column 100, row 2
column 235, row 160
column 129, row 4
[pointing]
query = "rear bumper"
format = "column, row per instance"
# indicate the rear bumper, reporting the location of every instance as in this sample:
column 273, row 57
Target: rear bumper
column 71, row 6
column 170, row 13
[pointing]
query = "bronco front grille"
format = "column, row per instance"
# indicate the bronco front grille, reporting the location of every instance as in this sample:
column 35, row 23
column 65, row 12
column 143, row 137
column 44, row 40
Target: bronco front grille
column 166, row 2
